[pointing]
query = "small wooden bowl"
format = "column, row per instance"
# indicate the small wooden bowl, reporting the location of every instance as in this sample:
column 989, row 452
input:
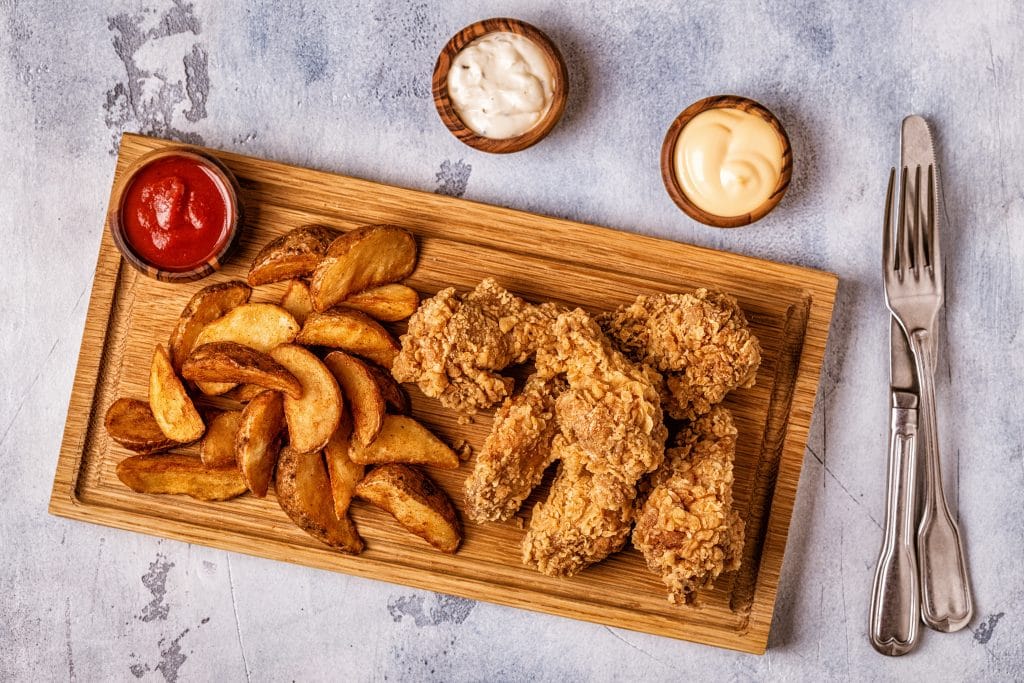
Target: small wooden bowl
column 235, row 212
column 447, row 111
column 668, row 155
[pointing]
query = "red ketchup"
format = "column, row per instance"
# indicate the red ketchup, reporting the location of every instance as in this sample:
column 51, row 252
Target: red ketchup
column 176, row 213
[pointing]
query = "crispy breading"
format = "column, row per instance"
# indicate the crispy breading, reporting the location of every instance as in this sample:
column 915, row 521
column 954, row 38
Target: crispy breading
column 457, row 344
column 686, row 529
column 516, row 452
column 700, row 341
column 612, row 434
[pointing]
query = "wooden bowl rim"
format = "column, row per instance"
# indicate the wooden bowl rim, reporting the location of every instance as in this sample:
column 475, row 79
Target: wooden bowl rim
column 443, row 103
column 235, row 211
column 668, row 152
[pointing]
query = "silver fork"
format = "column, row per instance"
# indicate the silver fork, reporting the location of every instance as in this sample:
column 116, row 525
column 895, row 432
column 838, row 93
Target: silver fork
column 913, row 293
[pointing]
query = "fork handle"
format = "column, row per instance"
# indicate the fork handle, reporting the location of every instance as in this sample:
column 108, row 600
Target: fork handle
column 895, row 602
column 945, row 586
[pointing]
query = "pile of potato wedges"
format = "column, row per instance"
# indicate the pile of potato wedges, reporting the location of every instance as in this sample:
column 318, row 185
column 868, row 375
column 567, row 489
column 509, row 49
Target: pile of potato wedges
column 321, row 417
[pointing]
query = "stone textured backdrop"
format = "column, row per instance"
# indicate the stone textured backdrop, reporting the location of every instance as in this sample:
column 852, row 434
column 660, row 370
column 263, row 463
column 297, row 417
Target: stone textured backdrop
column 345, row 87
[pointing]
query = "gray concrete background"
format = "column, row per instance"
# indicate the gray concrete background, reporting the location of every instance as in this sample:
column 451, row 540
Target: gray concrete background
column 346, row 88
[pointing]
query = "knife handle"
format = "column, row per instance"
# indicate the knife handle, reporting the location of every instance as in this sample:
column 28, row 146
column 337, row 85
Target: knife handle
column 895, row 601
column 945, row 587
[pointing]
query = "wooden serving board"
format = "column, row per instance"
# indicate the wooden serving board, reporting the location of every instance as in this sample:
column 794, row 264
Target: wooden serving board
column 461, row 242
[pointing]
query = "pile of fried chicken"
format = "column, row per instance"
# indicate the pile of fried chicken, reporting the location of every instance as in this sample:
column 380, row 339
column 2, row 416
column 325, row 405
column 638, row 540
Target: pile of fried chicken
column 596, row 403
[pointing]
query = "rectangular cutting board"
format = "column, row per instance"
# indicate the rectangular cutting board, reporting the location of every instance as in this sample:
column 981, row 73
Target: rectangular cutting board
column 461, row 242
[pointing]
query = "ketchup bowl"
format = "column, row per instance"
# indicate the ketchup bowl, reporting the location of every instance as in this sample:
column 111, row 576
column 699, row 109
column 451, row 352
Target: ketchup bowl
column 176, row 214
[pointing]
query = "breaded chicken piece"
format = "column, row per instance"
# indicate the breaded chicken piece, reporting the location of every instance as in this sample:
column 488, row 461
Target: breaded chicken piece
column 516, row 452
column 612, row 434
column 569, row 531
column 457, row 344
column 686, row 529
column 700, row 341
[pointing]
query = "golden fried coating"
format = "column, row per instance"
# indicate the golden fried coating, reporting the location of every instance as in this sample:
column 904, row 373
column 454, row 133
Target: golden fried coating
column 516, row 452
column 569, row 530
column 612, row 434
column 457, row 344
column 700, row 341
column 687, row 530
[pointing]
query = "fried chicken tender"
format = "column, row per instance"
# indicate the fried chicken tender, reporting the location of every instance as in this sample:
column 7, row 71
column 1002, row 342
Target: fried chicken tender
column 569, row 531
column 700, row 341
column 686, row 529
column 457, row 344
column 516, row 452
column 612, row 434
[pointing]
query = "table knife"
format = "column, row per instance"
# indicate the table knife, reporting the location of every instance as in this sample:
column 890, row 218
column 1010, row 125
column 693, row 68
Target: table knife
column 895, row 599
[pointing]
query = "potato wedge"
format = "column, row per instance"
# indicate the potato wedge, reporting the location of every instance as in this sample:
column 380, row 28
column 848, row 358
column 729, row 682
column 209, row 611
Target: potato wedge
column 293, row 254
column 403, row 439
column 208, row 304
column 258, row 440
column 258, row 326
column 352, row 331
column 360, row 259
column 244, row 393
column 362, row 394
column 232, row 362
column 344, row 474
column 416, row 502
column 172, row 408
column 394, row 395
column 387, row 302
column 217, row 449
column 304, row 492
column 296, row 301
column 314, row 417
column 177, row 473
column 130, row 423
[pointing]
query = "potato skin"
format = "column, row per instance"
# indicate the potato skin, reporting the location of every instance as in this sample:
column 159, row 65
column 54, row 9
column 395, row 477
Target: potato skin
column 416, row 502
column 217, row 449
column 365, row 257
column 208, row 304
column 293, row 254
column 130, row 423
column 177, row 473
column 304, row 492
column 231, row 362
column 258, row 440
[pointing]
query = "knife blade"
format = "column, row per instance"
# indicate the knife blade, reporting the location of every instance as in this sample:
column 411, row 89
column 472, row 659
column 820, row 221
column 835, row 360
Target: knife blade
column 902, row 375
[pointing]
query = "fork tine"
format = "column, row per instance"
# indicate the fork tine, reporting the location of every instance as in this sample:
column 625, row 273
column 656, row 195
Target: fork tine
column 934, row 257
column 920, row 226
column 888, row 253
column 902, row 238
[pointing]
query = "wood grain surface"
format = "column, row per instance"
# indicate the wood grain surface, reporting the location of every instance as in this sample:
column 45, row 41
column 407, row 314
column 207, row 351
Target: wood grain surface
column 462, row 242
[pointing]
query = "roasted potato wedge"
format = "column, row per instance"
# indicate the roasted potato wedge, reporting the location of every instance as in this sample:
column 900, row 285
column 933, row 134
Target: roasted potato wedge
column 416, row 502
column 362, row 394
column 130, row 423
column 352, row 331
column 232, row 362
column 387, row 302
column 296, row 301
column 208, row 304
column 177, row 473
column 394, row 395
column 217, row 449
column 403, row 439
column 344, row 474
column 360, row 259
column 304, row 492
column 244, row 393
column 258, row 440
column 314, row 417
column 258, row 326
column 172, row 408
column 293, row 254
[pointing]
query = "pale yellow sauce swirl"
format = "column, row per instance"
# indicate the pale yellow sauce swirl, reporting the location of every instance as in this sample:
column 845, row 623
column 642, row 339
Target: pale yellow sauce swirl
column 728, row 161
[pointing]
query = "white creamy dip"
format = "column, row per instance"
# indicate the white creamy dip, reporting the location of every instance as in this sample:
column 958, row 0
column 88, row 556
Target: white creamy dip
column 728, row 161
column 500, row 85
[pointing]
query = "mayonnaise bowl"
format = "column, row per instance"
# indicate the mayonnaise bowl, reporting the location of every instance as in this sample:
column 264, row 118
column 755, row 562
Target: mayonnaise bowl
column 500, row 85
column 726, row 161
